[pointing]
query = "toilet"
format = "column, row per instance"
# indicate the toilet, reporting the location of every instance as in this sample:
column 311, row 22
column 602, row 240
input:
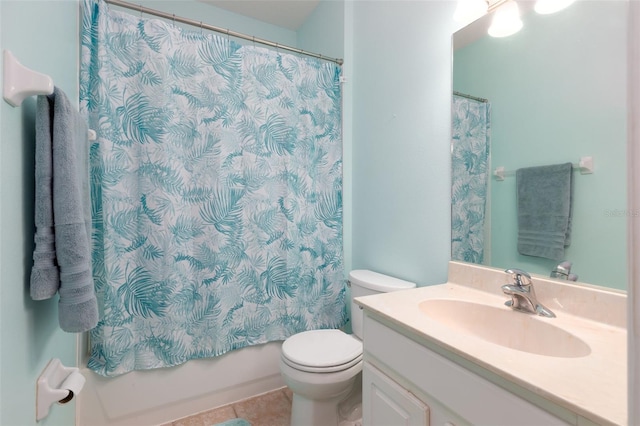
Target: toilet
column 322, row 367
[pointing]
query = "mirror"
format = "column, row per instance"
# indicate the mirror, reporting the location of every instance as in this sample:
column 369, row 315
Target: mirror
column 556, row 92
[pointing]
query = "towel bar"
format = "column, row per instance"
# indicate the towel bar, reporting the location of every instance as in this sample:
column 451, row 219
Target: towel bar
column 585, row 165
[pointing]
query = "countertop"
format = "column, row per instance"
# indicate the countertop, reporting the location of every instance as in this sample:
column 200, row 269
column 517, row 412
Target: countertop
column 592, row 386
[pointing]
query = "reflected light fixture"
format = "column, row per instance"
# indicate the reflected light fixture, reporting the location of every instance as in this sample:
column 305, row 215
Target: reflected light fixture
column 506, row 20
column 468, row 11
column 545, row 7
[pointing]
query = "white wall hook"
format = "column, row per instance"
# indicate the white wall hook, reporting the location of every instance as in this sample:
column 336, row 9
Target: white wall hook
column 21, row 82
column 499, row 173
column 57, row 383
column 586, row 165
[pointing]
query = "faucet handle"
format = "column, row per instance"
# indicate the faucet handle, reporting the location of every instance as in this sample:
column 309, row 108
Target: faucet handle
column 519, row 276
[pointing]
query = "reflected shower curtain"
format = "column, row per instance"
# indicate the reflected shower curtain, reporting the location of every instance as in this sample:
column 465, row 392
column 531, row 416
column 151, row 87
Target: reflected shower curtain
column 216, row 191
column 470, row 158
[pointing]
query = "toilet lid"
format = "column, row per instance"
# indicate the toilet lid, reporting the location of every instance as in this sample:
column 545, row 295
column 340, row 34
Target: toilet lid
column 322, row 349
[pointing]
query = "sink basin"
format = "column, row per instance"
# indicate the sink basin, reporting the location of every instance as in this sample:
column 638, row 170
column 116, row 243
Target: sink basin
column 505, row 327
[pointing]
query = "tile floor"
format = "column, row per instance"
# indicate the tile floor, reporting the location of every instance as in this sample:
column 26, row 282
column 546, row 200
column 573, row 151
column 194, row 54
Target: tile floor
column 269, row 409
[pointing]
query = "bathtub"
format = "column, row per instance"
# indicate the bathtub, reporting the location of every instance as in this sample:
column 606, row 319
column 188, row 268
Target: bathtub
column 159, row 396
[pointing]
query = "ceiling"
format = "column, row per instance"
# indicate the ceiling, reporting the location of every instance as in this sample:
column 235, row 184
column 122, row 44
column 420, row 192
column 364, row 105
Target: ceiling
column 289, row 14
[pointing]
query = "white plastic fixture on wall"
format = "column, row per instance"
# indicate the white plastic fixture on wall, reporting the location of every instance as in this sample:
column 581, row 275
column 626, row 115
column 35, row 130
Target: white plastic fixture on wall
column 57, row 383
column 20, row 82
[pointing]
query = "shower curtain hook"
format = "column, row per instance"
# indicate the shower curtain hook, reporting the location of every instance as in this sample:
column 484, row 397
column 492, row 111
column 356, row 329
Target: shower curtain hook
column 254, row 41
column 228, row 39
column 201, row 28
column 141, row 9
column 174, row 19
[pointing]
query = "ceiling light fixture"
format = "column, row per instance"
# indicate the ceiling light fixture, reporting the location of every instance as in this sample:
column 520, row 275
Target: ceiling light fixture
column 546, row 7
column 506, row 20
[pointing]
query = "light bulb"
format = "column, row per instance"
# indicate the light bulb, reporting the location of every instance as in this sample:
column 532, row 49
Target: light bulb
column 506, row 20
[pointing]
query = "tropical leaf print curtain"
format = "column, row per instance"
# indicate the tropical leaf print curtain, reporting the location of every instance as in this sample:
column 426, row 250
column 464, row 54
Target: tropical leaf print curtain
column 216, row 192
column 470, row 158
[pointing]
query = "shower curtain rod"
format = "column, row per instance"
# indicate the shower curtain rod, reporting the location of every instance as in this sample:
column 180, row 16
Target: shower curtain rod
column 228, row 32
column 470, row 97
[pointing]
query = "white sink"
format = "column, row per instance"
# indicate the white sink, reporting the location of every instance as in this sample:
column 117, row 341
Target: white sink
column 502, row 326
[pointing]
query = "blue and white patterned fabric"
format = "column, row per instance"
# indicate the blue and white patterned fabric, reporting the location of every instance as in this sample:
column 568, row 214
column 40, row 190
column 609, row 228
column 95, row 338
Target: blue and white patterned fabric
column 470, row 157
column 217, row 192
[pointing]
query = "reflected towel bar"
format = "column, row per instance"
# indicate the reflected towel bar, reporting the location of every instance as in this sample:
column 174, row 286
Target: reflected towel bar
column 585, row 165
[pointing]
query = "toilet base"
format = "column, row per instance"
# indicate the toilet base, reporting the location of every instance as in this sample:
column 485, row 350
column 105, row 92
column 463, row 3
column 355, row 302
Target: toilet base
column 340, row 409
column 308, row 412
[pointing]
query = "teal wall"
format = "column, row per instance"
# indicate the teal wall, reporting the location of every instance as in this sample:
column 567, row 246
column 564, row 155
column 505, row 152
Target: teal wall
column 199, row 11
column 558, row 92
column 397, row 126
column 401, row 77
column 323, row 31
column 43, row 36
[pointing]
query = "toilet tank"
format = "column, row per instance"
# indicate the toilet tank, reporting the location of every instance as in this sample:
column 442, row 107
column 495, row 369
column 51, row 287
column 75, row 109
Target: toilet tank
column 364, row 283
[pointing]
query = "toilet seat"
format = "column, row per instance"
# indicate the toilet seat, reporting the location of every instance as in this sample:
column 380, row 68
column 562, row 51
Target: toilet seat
column 322, row 351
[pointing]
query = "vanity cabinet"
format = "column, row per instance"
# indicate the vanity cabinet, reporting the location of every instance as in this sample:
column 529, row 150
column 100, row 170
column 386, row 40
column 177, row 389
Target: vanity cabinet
column 406, row 383
column 388, row 403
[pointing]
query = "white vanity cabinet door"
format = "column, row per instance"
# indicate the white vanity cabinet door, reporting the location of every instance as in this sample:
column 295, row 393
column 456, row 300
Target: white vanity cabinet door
column 386, row 403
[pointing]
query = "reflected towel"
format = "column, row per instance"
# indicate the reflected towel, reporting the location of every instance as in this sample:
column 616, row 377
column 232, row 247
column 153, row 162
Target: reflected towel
column 62, row 255
column 544, row 203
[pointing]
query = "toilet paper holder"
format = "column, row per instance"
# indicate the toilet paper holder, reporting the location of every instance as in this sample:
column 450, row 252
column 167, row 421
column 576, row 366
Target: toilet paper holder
column 57, row 383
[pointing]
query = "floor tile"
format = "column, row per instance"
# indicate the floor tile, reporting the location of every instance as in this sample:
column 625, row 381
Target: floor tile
column 208, row 418
column 288, row 392
column 270, row 409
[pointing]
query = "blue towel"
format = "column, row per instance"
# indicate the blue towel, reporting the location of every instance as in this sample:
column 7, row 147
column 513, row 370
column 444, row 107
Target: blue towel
column 544, row 203
column 62, row 255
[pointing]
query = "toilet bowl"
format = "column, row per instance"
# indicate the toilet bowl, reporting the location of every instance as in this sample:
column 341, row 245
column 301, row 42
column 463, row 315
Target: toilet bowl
column 321, row 366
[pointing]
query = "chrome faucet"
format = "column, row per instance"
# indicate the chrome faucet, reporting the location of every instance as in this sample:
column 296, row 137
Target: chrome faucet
column 563, row 272
column 523, row 296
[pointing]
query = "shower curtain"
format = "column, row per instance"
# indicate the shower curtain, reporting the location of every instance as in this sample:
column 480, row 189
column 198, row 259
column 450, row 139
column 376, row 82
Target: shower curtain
column 470, row 158
column 216, row 192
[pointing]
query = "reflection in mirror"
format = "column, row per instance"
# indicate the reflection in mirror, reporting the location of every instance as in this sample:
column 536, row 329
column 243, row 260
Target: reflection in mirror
column 556, row 92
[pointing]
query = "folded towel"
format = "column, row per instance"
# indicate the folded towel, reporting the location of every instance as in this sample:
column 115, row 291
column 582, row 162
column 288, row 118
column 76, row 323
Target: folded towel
column 544, row 203
column 62, row 256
